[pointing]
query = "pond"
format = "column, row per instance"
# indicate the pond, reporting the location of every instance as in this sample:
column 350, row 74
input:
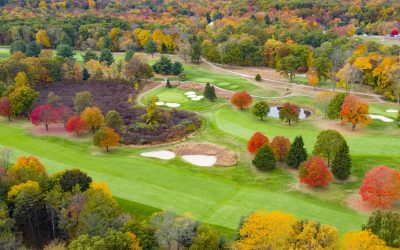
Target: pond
column 274, row 112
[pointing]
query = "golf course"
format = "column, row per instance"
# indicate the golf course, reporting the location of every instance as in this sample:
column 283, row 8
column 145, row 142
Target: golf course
column 220, row 196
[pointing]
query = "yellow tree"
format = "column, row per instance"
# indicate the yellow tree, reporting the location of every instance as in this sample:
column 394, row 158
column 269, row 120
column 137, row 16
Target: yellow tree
column 21, row 80
column 43, row 39
column 169, row 43
column 363, row 240
column 26, row 168
column 364, row 65
column 143, row 36
column 95, row 69
column 158, row 38
column 310, row 235
column 324, row 98
column 381, row 71
column 114, row 34
column 266, row 230
column 17, row 189
column 312, row 77
column 92, row 4
column 93, row 117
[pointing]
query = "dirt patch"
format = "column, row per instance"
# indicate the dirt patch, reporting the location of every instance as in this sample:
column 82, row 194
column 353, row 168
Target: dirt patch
column 225, row 157
column 356, row 203
column 335, row 125
column 225, row 94
column 54, row 130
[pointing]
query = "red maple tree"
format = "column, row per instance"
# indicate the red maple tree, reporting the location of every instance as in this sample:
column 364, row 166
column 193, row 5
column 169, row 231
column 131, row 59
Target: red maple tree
column 394, row 32
column 280, row 146
column 5, row 108
column 257, row 141
column 315, row 172
column 44, row 114
column 75, row 125
column 241, row 99
column 381, row 187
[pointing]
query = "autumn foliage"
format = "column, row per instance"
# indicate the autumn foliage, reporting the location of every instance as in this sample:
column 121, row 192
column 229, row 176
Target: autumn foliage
column 381, row 187
column 241, row 99
column 363, row 240
column 256, row 141
column 394, row 32
column 5, row 108
column 280, row 146
column 315, row 172
column 75, row 125
column 26, row 168
column 354, row 111
column 289, row 112
column 93, row 117
column 44, row 114
column 105, row 138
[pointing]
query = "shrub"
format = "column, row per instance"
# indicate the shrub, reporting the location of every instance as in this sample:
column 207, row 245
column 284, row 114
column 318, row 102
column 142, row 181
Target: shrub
column 258, row 77
column 280, row 146
column 182, row 77
column 70, row 178
column 261, row 110
column 75, row 125
column 241, row 99
column 264, row 159
column 341, row 164
column 106, row 138
column 381, row 187
column 257, row 140
column 209, row 92
column 297, row 153
column 386, row 225
column 289, row 112
column 315, row 172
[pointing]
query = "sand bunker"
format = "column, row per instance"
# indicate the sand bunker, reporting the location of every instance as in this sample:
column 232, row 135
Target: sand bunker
column 161, row 154
column 190, row 93
column 200, row 160
column 172, row 104
column 381, row 117
column 391, row 111
column 197, row 98
column 224, row 156
column 160, row 103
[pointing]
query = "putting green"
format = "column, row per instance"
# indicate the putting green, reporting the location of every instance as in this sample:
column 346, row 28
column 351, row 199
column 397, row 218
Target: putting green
column 175, row 97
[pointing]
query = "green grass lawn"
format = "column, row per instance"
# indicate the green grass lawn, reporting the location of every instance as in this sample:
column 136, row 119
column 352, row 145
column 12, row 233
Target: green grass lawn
column 304, row 81
column 4, row 53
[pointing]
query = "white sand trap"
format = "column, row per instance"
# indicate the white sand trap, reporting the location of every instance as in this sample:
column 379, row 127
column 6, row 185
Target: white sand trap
column 190, row 93
column 172, row 105
column 200, row 160
column 197, row 98
column 162, row 154
column 381, row 117
column 392, row 111
column 160, row 103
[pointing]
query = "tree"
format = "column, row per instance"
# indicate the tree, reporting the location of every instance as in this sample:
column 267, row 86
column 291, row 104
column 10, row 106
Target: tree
column 313, row 79
column 90, row 55
column 82, row 100
column 105, row 138
column 385, row 224
column 113, row 120
column 381, row 187
column 297, row 153
column 93, row 117
column 195, row 53
column 354, row 111
column 106, row 56
column 21, row 80
column 70, row 178
column 394, row 32
column 75, row 125
column 168, row 84
column 43, row 39
column 241, row 99
column 44, row 114
column 129, row 55
column 324, row 98
column 206, row 238
column 289, row 65
column 209, row 92
column 289, row 112
column 150, row 47
column 335, row 106
column 85, row 74
column 362, row 240
column 163, row 66
column 258, row 78
column 53, row 100
column 261, row 110
column 328, row 143
column 17, row 45
column 264, row 159
column 21, row 100
column 152, row 115
column 65, row 50
column 341, row 164
column 25, row 169
column 322, row 67
column 265, row 230
column 143, row 231
column 5, row 107
column 312, row 235
column 256, row 141
column 177, row 68
column 33, row 49
column 280, row 146
column 315, row 173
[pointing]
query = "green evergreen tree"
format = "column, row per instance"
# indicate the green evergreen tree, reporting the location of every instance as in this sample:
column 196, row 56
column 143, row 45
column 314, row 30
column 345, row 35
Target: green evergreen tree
column 106, row 43
column 65, row 50
column 150, row 47
column 129, row 55
column 209, row 92
column 264, row 159
column 85, row 74
column 297, row 153
column 163, row 66
column 168, row 84
column 90, row 55
column 258, row 78
column 177, row 68
column 106, row 56
column 341, row 164
column 267, row 20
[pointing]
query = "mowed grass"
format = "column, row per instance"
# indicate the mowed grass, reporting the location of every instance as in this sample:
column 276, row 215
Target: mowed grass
column 4, row 53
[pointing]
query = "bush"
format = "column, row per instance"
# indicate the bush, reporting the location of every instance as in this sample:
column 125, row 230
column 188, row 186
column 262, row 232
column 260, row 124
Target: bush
column 182, row 77
column 264, row 159
column 297, row 153
column 280, row 146
column 256, row 141
column 315, row 172
column 258, row 77
column 381, row 187
column 70, row 178
column 386, row 225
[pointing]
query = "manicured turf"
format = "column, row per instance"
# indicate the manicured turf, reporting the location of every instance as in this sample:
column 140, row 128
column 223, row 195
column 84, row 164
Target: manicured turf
column 4, row 53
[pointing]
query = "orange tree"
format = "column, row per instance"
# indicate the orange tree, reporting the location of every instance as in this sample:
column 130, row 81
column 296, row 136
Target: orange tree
column 280, row 146
column 241, row 99
column 105, row 138
column 289, row 112
column 354, row 111
column 315, row 172
column 256, row 141
column 93, row 117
